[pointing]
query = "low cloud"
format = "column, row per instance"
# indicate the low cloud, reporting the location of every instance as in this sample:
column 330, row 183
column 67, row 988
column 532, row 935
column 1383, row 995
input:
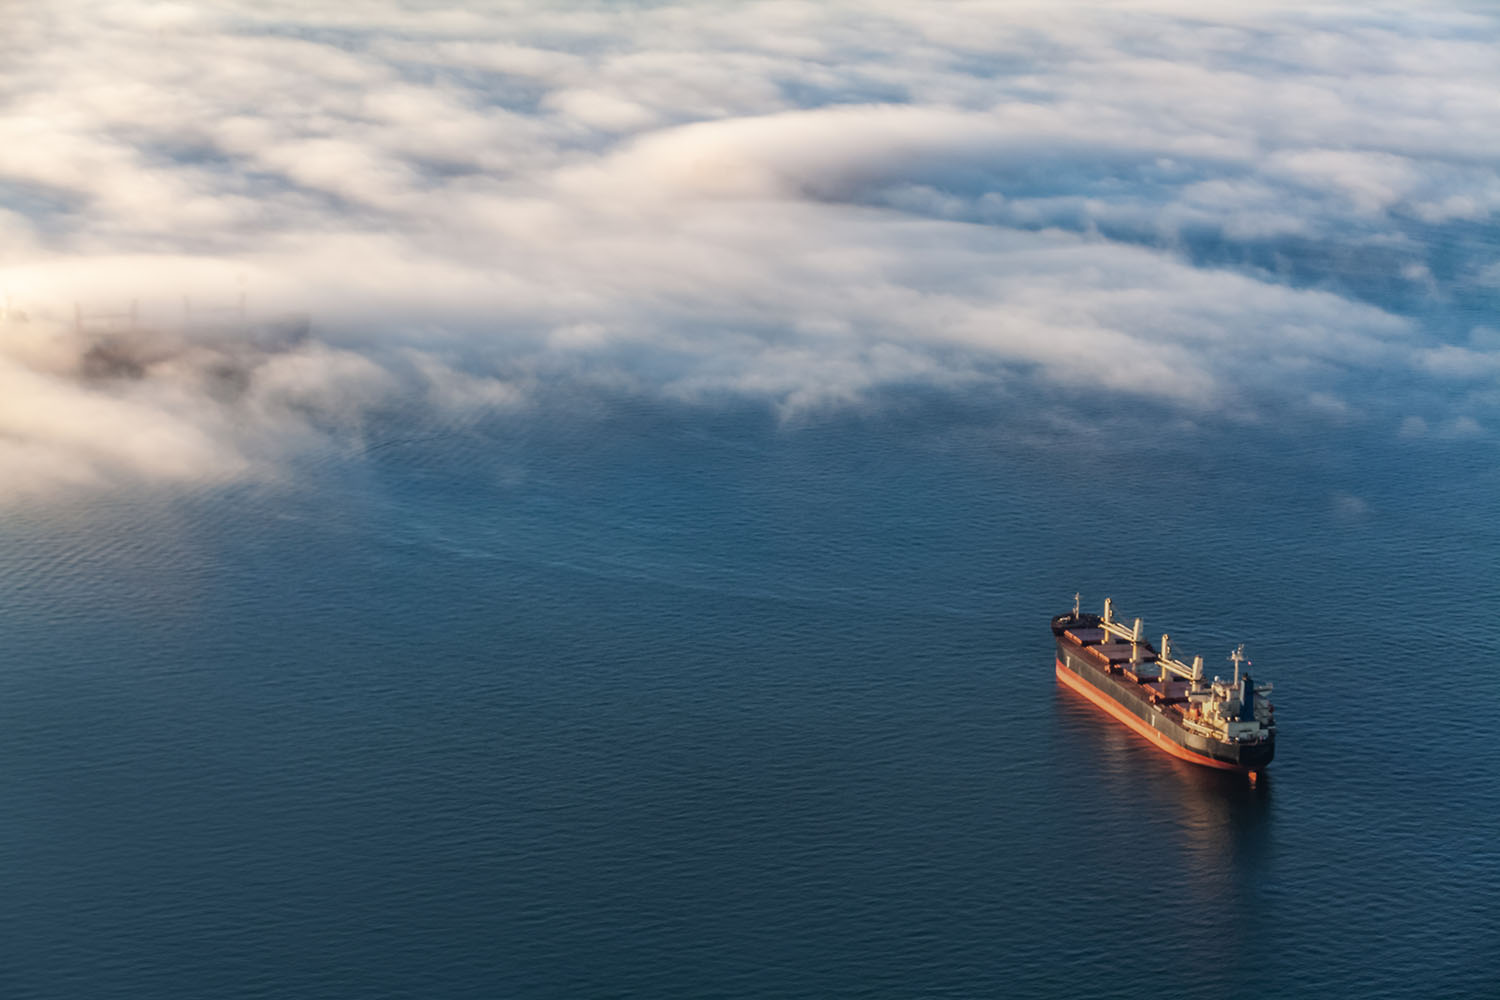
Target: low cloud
column 113, row 402
column 1244, row 214
column 1455, row 362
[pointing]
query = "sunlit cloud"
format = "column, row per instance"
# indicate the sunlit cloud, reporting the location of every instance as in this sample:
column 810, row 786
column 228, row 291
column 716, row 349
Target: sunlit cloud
column 797, row 203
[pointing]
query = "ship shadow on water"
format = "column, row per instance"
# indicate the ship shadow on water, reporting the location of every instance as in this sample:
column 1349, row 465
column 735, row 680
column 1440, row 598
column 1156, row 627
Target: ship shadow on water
column 1220, row 824
column 1211, row 833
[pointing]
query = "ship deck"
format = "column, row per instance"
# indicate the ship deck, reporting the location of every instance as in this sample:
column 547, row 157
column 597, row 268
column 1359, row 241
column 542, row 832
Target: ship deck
column 1144, row 678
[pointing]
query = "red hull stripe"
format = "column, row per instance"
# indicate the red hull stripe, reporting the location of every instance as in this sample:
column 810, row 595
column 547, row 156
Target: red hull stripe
column 1088, row 690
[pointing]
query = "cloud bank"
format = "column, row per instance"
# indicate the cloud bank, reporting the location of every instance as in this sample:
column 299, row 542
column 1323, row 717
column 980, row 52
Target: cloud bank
column 1259, row 208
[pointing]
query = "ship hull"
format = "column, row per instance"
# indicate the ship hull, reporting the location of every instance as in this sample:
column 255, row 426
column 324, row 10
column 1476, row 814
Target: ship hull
column 1123, row 702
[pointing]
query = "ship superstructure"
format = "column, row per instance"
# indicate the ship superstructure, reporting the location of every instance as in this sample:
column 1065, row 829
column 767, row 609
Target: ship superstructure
column 1226, row 724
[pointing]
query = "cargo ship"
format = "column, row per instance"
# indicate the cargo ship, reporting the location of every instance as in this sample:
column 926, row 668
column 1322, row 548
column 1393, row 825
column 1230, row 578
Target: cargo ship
column 1225, row 724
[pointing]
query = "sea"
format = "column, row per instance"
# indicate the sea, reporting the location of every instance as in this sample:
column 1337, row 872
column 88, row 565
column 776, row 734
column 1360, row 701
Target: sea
column 621, row 696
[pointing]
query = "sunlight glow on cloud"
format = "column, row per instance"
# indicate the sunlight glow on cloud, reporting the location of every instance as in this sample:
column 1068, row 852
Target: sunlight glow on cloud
column 795, row 202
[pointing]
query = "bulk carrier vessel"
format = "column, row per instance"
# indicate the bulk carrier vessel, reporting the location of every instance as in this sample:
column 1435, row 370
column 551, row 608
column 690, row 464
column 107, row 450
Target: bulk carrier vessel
column 1229, row 725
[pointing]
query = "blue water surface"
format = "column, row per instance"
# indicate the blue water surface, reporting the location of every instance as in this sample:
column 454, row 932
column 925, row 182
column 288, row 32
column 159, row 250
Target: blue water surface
column 645, row 700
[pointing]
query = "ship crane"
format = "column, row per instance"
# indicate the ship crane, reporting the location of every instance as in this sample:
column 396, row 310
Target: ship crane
column 1136, row 635
column 1225, row 702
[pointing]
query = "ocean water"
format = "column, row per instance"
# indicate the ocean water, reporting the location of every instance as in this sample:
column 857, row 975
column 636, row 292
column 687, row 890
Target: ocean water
column 639, row 700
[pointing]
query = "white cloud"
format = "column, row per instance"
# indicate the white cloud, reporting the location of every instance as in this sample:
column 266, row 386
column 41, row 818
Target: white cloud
column 1412, row 427
column 1452, row 361
column 1463, row 427
column 798, row 202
